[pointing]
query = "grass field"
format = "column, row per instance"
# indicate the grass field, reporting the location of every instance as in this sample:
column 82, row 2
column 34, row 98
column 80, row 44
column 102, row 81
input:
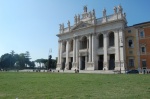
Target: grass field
column 73, row 86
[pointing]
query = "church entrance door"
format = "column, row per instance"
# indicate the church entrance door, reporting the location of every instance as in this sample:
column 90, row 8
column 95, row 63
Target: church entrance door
column 63, row 63
column 83, row 63
column 70, row 63
column 100, row 62
column 112, row 62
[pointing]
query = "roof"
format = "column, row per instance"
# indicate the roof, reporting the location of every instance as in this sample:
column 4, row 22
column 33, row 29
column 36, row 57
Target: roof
column 141, row 23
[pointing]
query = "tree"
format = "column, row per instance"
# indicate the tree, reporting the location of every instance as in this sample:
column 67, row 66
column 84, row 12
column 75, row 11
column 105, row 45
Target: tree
column 12, row 60
column 5, row 61
column 54, row 62
column 27, row 58
column 50, row 62
column 18, row 61
column 0, row 63
column 40, row 61
column 22, row 60
column 17, row 65
column 32, row 65
column 12, row 52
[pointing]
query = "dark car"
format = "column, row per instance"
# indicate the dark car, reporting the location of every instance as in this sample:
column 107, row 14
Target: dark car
column 133, row 72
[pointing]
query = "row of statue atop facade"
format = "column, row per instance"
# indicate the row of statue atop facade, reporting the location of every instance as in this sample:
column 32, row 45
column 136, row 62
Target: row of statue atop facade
column 90, row 15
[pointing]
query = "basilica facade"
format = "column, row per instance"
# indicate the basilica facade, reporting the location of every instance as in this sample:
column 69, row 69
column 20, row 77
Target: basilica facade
column 93, row 43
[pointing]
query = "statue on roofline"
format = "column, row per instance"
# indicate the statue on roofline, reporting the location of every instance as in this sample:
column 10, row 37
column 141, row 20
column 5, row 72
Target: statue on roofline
column 68, row 24
column 85, row 8
column 75, row 19
column 78, row 17
column 60, row 26
column 115, row 10
column 93, row 12
column 104, row 12
column 120, row 9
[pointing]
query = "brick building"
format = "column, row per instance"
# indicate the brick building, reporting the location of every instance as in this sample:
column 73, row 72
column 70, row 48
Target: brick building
column 143, row 41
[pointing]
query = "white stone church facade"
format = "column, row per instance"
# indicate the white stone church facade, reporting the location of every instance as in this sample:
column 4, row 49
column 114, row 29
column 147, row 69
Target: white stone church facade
column 93, row 43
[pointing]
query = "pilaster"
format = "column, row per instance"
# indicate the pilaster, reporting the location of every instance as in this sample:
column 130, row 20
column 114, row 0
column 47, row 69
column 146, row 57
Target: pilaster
column 91, row 63
column 138, row 50
column 90, row 46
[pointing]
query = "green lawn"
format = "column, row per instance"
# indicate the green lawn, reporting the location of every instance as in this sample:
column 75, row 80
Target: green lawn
column 73, row 86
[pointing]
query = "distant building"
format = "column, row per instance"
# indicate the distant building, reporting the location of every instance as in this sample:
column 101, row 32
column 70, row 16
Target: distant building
column 131, row 47
column 143, row 37
column 93, row 43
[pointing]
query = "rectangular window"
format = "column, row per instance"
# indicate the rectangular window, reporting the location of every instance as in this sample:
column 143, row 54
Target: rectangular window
column 130, row 42
column 129, row 31
column 143, row 63
column 143, row 49
column 141, row 34
column 130, row 52
column 131, row 62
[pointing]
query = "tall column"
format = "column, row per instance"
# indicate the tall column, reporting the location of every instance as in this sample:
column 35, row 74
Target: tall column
column 90, row 48
column 58, row 59
column 67, row 55
column 122, row 48
column 61, row 53
column 74, row 50
column 93, row 47
column 105, row 52
column 117, row 56
column 77, row 51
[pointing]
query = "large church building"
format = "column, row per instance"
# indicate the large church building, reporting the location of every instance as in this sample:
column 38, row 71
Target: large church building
column 93, row 43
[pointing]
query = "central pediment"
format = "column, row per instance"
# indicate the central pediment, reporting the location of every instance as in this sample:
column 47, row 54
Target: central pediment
column 81, row 25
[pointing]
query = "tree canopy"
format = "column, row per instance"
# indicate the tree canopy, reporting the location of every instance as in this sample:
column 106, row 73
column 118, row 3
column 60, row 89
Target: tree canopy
column 16, row 61
column 13, row 60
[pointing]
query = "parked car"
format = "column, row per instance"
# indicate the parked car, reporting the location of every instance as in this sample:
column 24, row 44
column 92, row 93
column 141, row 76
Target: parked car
column 133, row 72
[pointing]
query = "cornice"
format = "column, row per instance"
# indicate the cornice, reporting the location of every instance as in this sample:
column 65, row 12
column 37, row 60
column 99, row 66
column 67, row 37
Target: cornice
column 108, row 22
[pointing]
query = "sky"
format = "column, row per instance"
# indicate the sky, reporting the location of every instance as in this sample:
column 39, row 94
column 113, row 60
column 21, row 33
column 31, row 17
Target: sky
column 32, row 25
